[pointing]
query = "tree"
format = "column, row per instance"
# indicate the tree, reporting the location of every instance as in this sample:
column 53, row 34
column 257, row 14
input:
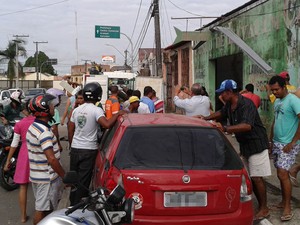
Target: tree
column 9, row 56
column 44, row 66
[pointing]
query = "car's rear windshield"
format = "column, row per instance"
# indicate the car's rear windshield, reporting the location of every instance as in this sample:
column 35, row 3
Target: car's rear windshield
column 186, row 148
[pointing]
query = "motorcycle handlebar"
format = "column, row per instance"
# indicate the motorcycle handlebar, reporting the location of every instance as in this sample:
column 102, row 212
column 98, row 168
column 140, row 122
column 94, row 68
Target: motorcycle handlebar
column 75, row 207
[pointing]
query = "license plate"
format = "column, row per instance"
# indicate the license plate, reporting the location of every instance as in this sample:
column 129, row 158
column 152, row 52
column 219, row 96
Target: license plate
column 185, row 199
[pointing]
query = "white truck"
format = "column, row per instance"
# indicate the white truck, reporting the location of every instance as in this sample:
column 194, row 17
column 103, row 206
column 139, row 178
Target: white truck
column 130, row 80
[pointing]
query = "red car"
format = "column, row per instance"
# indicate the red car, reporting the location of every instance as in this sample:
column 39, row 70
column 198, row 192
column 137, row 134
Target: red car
column 178, row 170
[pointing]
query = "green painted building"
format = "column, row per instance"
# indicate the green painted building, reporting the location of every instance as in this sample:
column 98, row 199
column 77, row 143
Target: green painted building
column 270, row 29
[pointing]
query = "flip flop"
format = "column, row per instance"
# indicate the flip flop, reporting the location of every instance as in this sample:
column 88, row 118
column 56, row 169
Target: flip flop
column 262, row 217
column 294, row 181
column 287, row 217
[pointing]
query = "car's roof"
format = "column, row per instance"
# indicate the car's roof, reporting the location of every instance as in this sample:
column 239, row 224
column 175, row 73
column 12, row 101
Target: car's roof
column 135, row 119
column 36, row 88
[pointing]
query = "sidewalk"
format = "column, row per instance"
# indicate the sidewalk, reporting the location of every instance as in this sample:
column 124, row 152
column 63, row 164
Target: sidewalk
column 274, row 193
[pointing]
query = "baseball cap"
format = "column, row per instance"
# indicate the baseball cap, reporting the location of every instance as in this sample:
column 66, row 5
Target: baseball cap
column 133, row 99
column 227, row 85
column 284, row 74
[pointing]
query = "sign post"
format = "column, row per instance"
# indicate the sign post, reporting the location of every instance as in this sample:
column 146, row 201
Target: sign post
column 107, row 31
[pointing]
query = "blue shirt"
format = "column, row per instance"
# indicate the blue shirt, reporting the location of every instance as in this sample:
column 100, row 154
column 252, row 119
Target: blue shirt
column 149, row 102
column 286, row 112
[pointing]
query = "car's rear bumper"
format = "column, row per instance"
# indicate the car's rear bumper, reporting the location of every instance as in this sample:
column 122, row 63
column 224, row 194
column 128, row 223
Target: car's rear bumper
column 243, row 216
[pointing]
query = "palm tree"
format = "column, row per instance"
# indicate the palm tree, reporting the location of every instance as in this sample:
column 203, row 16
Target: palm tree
column 9, row 56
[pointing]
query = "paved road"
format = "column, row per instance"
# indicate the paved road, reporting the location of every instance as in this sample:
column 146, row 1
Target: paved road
column 9, row 208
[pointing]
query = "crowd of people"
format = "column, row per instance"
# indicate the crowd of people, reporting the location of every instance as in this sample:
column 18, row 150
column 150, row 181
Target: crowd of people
column 39, row 157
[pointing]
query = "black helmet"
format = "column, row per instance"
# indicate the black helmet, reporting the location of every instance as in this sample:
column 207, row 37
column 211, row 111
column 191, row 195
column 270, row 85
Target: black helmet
column 39, row 104
column 92, row 91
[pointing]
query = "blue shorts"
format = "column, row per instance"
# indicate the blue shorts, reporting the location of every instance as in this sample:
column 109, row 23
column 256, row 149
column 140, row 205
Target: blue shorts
column 282, row 159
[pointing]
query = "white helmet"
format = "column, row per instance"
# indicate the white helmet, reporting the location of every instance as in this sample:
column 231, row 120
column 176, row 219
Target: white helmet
column 16, row 96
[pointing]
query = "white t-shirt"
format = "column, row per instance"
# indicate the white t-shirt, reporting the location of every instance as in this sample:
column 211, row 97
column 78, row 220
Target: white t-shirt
column 143, row 108
column 196, row 105
column 85, row 118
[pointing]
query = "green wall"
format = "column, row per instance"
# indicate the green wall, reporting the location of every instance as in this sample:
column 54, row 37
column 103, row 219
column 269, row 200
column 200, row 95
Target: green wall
column 272, row 32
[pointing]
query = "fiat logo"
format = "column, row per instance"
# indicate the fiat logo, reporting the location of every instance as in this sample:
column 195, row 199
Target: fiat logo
column 186, row 179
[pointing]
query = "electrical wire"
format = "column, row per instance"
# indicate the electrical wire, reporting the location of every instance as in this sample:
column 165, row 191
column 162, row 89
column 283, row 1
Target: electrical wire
column 167, row 16
column 38, row 7
column 142, row 34
column 183, row 9
column 137, row 17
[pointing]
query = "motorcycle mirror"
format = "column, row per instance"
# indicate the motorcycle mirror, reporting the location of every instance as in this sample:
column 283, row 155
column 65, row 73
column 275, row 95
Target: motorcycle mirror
column 116, row 195
column 71, row 177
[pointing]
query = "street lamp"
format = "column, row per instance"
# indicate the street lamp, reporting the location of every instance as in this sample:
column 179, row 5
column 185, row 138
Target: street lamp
column 131, row 55
column 37, row 60
column 43, row 63
column 115, row 49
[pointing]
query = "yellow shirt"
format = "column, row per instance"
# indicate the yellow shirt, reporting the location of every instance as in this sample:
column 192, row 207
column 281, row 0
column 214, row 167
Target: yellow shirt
column 290, row 88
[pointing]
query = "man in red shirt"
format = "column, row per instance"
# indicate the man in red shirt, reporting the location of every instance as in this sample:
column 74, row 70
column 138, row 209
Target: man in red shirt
column 248, row 93
column 112, row 105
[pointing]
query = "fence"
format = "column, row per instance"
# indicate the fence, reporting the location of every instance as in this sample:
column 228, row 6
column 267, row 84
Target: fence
column 25, row 84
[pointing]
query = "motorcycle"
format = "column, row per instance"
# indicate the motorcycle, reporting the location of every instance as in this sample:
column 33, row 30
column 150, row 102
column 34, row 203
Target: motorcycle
column 7, row 177
column 99, row 208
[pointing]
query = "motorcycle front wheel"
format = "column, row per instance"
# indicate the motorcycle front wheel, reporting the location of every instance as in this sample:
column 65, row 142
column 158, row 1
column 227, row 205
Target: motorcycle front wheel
column 7, row 177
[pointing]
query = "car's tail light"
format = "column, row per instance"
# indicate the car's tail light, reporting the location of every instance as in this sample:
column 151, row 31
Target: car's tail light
column 246, row 188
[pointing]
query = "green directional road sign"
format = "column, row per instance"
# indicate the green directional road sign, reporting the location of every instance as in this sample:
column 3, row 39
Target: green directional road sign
column 107, row 32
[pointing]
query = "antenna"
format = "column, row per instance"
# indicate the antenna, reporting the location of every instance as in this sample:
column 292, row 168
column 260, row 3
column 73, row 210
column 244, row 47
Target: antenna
column 76, row 40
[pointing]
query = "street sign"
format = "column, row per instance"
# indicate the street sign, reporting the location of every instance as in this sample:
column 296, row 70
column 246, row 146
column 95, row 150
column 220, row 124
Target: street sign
column 52, row 61
column 107, row 32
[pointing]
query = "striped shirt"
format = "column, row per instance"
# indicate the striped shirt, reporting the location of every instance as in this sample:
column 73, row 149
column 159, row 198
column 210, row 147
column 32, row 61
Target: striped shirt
column 40, row 138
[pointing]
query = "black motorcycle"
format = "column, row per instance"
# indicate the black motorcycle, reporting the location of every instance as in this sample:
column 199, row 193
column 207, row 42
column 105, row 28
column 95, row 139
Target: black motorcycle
column 7, row 177
column 6, row 136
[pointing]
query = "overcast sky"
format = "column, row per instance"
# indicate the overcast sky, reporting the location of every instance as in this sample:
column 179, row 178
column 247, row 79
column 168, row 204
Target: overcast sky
column 55, row 21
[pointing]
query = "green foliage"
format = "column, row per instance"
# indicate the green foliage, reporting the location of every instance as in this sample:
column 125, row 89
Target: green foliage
column 8, row 56
column 44, row 66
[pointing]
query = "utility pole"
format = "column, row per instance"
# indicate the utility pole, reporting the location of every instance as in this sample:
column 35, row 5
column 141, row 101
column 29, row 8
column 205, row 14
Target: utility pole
column 85, row 64
column 17, row 54
column 37, row 59
column 157, row 38
column 126, row 52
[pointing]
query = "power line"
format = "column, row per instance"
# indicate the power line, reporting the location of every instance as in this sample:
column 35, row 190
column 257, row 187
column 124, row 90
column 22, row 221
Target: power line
column 167, row 16
column 38, row 7
column 183, row 9
column 137, row 17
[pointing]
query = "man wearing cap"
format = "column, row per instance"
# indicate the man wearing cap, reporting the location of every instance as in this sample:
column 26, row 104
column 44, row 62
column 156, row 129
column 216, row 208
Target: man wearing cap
column 291, row 88
column 134, row 104
column 196, row 105
column 246, row 124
